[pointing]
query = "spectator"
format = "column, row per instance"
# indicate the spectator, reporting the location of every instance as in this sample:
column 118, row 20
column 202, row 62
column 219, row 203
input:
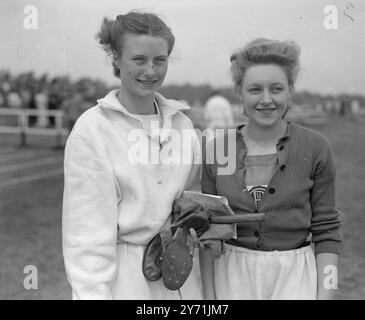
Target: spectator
column 14, row 100
column 217, row 114
column 41, row 102
column 355, row 110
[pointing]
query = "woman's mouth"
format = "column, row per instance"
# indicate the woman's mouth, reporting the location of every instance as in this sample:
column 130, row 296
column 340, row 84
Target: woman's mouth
column 147, row 82
column 268, row 110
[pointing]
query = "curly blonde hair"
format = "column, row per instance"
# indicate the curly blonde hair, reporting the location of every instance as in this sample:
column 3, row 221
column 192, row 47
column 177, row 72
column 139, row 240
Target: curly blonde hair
column 265, row 51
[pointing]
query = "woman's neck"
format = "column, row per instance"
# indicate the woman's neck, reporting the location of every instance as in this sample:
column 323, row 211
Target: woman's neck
column 137, row 104
column 264, row 136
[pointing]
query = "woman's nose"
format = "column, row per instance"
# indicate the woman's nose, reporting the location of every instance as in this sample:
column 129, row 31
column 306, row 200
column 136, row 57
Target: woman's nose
column 150, row 69
column 266, row 97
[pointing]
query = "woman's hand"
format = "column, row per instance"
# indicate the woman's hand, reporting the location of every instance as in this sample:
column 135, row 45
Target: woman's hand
column 193, row 237
column 193, row 241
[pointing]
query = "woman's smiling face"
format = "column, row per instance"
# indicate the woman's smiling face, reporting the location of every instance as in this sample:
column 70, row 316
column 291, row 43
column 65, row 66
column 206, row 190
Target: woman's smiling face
column 143, row 63
column 265, row 93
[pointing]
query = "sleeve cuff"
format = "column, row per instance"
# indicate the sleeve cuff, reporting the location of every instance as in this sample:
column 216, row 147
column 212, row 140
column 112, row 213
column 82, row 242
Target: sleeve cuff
column 328, row 246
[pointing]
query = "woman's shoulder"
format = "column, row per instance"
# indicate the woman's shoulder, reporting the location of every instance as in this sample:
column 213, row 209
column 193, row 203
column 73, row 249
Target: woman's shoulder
column 309, row 134
column 311, row 142
column 91, row 116
column 87, row 134
column 89, row 122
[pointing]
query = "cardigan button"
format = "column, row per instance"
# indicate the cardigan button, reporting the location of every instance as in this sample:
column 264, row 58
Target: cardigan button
column 256, row 234
column 271, row 190
column 282, row 167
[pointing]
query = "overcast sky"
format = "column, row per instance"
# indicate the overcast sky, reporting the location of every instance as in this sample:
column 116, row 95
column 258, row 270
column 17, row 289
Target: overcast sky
column 206, row 31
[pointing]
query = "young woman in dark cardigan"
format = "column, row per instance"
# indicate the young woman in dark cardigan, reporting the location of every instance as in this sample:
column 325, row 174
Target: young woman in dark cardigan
column 284, row 171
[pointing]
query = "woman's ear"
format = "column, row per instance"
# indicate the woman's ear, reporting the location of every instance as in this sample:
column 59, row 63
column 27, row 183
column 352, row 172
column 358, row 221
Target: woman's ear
column 116, row 62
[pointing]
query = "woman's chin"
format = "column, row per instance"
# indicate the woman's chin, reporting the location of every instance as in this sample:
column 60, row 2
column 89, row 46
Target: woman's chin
column 267, row 122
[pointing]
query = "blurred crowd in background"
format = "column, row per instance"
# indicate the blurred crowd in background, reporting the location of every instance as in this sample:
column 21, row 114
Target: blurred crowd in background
column 28, row 91
column 209, row 107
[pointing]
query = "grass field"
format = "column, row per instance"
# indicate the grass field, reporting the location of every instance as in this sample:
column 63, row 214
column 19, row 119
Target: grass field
column 30, row 222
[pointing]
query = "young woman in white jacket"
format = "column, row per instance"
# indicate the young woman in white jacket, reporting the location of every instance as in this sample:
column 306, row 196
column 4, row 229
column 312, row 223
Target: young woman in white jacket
column 126, row 160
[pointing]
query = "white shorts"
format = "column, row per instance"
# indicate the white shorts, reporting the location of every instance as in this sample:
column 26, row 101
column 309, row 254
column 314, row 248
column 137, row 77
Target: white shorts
column 244, row 274
column 130, row 283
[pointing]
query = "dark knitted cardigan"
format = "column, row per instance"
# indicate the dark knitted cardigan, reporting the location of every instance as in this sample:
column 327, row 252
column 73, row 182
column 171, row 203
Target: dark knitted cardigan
column 299, row 203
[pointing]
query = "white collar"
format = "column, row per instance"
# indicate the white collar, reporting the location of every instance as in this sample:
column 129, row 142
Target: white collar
column 167, row 107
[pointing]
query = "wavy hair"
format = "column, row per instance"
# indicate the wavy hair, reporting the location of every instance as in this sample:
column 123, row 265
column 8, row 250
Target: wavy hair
column 111, row 33
column 265, row 51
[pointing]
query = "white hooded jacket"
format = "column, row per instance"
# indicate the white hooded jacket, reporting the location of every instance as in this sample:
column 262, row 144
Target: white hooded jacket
column 110, row 198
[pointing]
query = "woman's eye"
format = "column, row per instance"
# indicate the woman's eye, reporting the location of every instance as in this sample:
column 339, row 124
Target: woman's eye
column 254, row 90
column 277, row 89
column 138, row 59
column 160, row 61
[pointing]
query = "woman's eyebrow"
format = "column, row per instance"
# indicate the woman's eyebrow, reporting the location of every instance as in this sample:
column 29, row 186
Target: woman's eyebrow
column 277, row 82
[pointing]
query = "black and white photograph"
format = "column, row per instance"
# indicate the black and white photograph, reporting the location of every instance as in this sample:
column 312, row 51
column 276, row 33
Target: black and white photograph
column 195, row 150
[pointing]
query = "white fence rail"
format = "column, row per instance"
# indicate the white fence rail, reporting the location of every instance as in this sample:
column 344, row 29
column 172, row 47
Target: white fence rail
column 23, row 128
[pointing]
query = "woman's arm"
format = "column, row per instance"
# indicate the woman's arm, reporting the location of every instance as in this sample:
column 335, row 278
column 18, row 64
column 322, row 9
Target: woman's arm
column 326, row 275
column 326, row 223
column 208, row 181
column 89, row 220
